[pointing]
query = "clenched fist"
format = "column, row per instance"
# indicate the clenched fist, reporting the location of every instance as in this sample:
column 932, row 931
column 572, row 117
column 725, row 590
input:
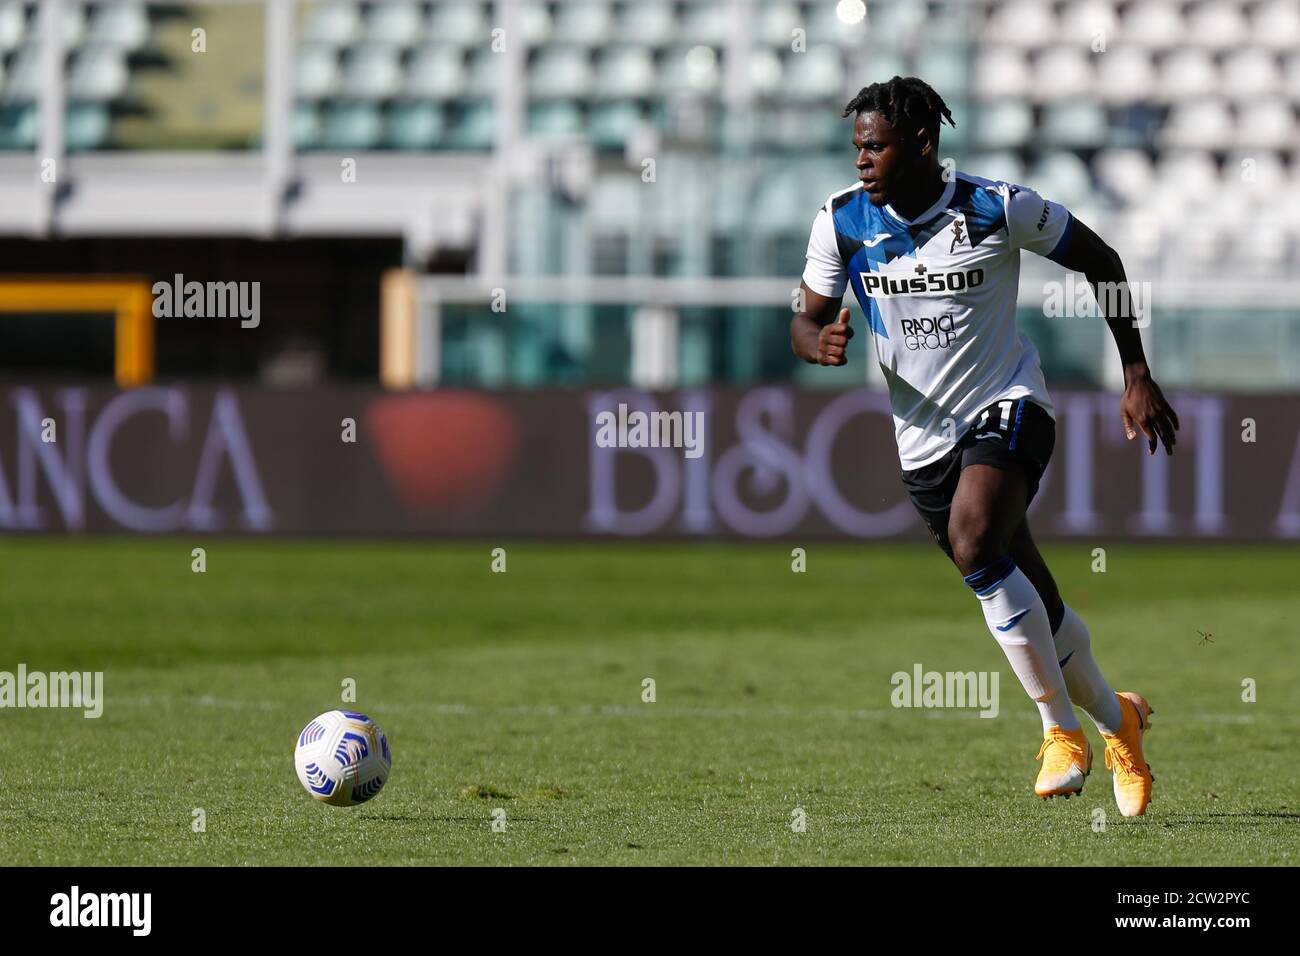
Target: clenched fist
column 833, row 340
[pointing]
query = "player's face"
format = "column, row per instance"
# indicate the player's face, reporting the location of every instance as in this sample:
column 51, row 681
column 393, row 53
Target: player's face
column 887, row 159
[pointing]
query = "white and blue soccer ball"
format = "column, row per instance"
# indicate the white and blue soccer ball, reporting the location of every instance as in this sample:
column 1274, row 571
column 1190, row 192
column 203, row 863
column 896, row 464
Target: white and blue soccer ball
column 342, row 758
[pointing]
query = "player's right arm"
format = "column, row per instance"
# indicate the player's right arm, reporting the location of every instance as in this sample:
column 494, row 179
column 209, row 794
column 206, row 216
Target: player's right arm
column 819, row 331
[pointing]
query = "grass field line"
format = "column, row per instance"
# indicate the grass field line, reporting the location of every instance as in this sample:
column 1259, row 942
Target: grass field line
column 647, row 710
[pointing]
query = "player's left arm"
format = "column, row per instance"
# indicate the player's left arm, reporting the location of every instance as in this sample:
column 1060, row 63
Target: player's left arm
column 1050, row 230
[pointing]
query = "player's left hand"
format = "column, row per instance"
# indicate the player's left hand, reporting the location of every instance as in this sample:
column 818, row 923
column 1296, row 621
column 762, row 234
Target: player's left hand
column 1144, row 406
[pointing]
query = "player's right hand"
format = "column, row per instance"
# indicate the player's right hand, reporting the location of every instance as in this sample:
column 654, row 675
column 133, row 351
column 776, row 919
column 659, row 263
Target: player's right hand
column 833, row 340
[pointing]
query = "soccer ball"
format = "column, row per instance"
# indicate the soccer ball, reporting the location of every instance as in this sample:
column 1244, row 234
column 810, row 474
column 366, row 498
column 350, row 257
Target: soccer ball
column 342, row 758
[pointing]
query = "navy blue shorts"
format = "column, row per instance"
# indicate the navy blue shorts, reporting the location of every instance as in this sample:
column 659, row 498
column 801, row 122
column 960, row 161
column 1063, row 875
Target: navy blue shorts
column 1024, row 437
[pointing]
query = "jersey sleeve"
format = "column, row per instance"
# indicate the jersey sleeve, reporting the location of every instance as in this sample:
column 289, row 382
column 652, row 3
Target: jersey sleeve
column 1037, row 224
column 825, row 273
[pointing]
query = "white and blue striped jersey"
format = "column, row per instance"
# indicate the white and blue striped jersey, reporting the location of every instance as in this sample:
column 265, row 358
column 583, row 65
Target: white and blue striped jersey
column 939, row 292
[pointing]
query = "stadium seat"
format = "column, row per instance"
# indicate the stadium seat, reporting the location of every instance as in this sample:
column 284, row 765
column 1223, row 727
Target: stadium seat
column 1217, row 25
column 306, row 125
column 1276, row 25
column 1137, row 235
column 396, row 23
column 895, row 24
column 124, row 25
column 820, row 180
column 1063, row 73
column 474, row 129
column 414, row 124
column 1001, row 72
column 1267, row 124
column 18, row 126
column 535, row 23
column 482, row 73
column 1261, row 171
column 1202, row 242
column 650, row 22
column 352, row 125
column 728, row 213
column 815, row 75
column 1252, row 184
column 1084, row 21
column 826, row 26
column 584, row 24
column 882, row 64
column 86, row 126
column 1125, row 173
column 316, row 72
column 692, row 70
column 558, row 119
column 460, row 22
column 1026, row 23
column 1063, row 177
column 436, row 72
column 1201, row 121
column 24, row 76
column 1260, row 246
column 1155, row 24
column 613, row 202
column 1191, row 174
column 333, row 22
column 615, row 124
column 776, row 25
column 98, row 74
column 1005, row 166
column 784, row 203
column 13, row 25
column 624, row 72
column 372, row 71
column 1080, row 124
column 560, row 72
column 947, row 25
column 765, row 72
column 820, row 128
column 707, row 23
column 1250, row 73
column 1128, row 75
column 957, row 139
column 944, row 67
column 1187, row 74
column 1004, row 124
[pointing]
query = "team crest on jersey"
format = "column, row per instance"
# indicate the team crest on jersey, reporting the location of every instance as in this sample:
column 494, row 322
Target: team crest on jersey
column 957, row 226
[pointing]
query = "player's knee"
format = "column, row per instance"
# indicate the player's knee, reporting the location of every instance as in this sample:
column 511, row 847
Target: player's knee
column 975, row 545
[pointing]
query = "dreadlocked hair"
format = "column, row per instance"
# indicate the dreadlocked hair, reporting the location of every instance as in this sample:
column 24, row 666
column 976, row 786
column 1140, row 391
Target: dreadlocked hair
column 905, row 101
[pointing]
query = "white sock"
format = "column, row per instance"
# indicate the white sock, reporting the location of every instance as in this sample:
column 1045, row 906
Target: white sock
column 1018, row 621
column 1083, row 679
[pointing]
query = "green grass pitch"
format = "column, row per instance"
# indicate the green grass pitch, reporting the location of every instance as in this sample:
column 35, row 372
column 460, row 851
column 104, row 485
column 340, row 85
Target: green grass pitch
column 523, row 691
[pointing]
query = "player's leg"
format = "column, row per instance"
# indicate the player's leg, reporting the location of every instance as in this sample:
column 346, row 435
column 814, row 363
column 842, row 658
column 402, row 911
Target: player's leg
column 1083, row 679
column 1027, row 557
column 1123, row 717
column 987, row 510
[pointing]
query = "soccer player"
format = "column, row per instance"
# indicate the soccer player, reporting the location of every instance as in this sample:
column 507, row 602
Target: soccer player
column 934, row 261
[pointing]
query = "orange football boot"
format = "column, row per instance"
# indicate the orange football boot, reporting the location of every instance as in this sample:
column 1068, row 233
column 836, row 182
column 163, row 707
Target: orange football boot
column 1124, row 757
column 1067, row 760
